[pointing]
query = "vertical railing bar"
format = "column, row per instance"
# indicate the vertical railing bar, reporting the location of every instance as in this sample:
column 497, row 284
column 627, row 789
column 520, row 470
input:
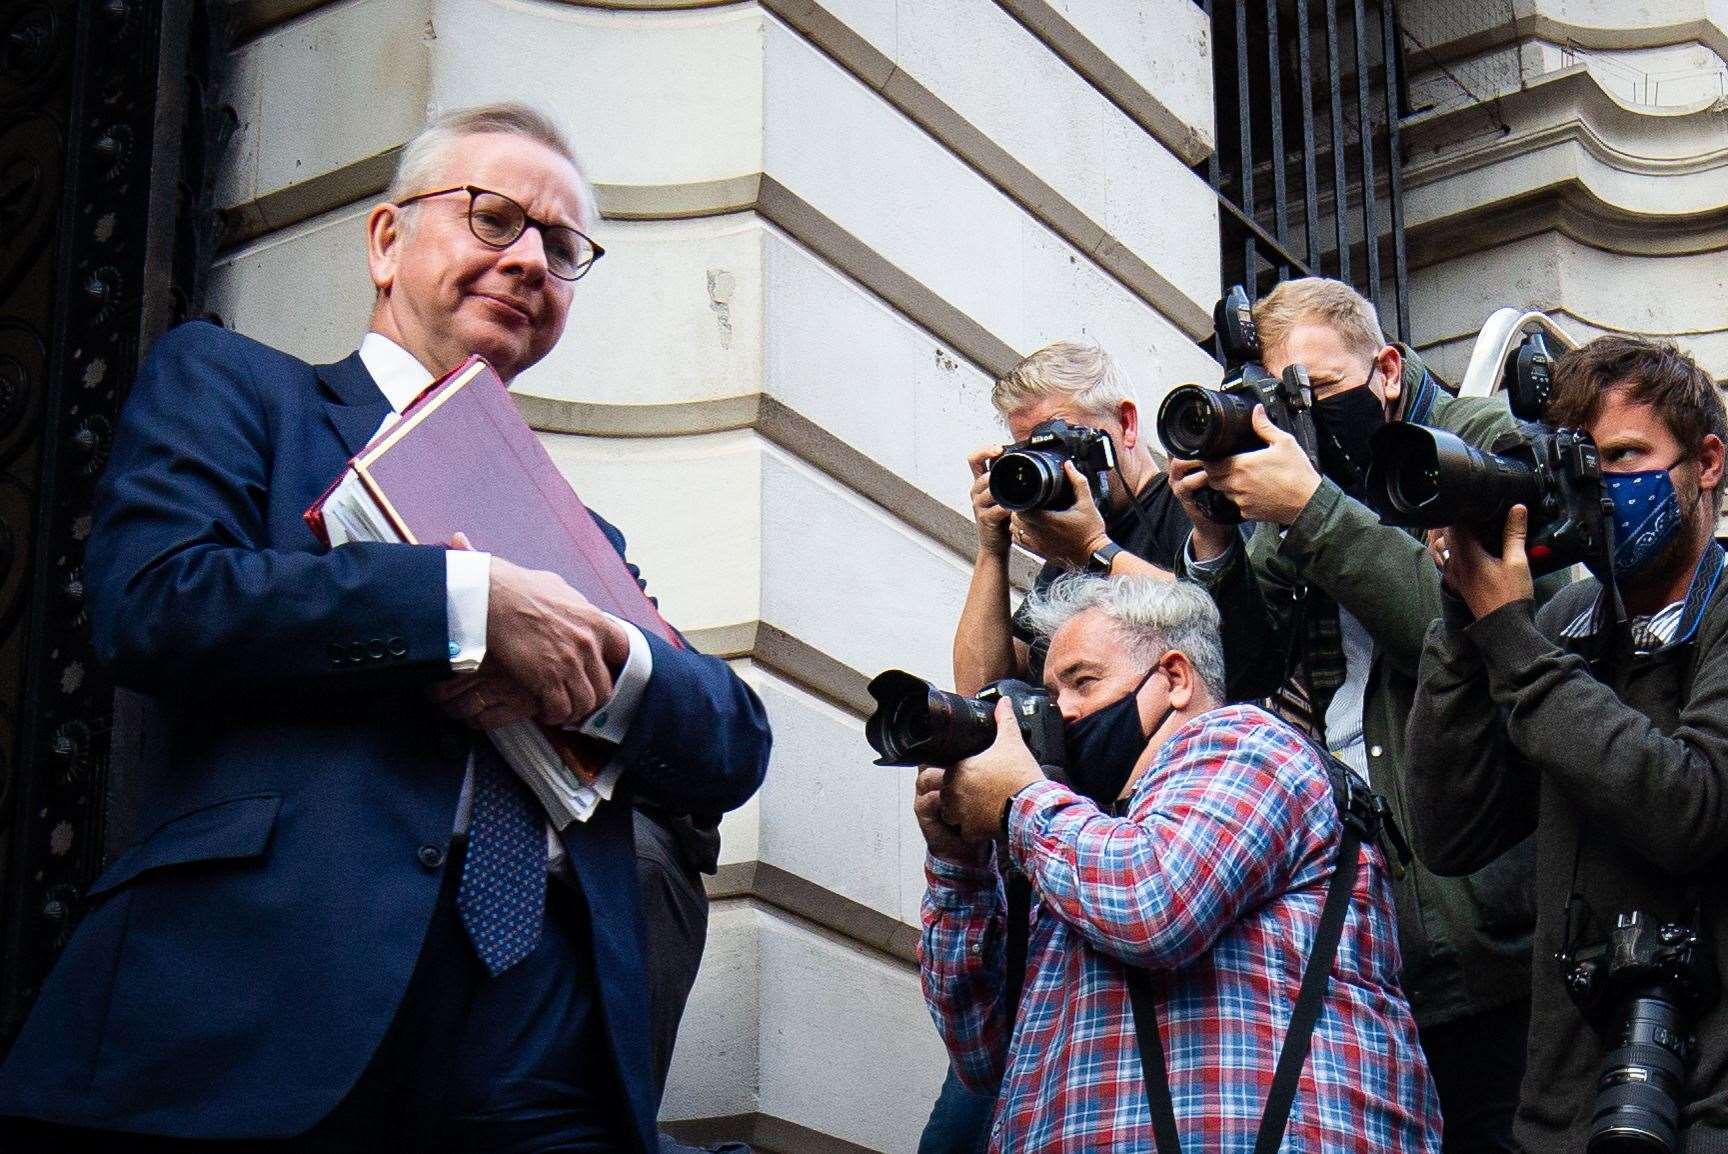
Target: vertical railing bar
column 1275, row 78
column 1394, row 165
column 1212, row 171
column 1245, row 140
column 1340, row 184
column 1365, row 133
column 1311, row 180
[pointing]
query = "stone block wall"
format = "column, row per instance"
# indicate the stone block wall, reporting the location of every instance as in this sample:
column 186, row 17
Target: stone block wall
column 829, row 225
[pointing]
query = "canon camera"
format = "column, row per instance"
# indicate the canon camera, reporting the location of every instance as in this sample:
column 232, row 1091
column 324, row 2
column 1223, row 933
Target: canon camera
column 916, row 723
column 1029, row 475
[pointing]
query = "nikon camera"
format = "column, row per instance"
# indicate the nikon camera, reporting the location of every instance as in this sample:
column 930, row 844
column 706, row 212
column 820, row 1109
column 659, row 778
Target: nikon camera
column 917, row 724
column 1029, row 475
column 1430, row 479
column 1196, row 423
column 1642, row 987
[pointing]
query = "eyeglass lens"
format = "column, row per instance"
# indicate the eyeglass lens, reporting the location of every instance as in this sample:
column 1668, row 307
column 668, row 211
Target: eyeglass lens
column 499, row 221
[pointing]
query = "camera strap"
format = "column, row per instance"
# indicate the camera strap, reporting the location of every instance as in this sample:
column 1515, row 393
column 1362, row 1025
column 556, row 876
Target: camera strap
column 1361, row 819
column 1019, row 935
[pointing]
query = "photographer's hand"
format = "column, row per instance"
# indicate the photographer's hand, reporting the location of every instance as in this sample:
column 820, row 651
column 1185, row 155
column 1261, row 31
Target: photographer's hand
column 943, row 839
column 1210, row 539
column 1271, row 484
column 1484, row 581
column 975, row 790
column 992, row 519
column 1072, row 534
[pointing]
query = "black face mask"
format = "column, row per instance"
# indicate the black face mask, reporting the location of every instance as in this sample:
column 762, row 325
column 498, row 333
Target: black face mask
column 1103, row 746
column 1345, row 421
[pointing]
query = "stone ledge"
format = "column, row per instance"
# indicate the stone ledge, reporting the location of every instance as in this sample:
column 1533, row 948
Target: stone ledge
column 764, row 1133
column 1532, row 22
column 858, row 924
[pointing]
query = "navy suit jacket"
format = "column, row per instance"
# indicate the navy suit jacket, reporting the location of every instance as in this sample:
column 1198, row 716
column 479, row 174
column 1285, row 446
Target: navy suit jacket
column 243, row 957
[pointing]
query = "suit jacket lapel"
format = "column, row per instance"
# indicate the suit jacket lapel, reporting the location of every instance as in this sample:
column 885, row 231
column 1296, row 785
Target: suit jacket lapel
column 353, row 402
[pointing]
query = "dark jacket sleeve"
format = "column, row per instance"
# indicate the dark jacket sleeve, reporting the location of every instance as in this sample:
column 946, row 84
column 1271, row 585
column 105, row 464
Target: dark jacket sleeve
column 1663, row 795
column 186, row 592
column 1254, row 635
column 1471, row 797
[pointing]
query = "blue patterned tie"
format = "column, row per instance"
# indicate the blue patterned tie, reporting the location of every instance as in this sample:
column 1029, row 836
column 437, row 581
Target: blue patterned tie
column 502, row 896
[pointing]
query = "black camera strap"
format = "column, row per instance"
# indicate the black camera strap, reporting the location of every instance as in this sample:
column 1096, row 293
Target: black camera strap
column 1019, row 935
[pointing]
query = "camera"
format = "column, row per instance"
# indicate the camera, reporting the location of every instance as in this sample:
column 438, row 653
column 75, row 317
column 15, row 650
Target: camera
column 1642, row 987
column 1430, row 479
column 1029, row 475
column 1200, row 424
column 917, row 724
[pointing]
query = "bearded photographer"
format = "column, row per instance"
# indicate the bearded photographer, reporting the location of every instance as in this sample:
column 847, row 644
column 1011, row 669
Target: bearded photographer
column 1190, row 856
column 1329, row 608
column 1607, row 739
column 1140, row 529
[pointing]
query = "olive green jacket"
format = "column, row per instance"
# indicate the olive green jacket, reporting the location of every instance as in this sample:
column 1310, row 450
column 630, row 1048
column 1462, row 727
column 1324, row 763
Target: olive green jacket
column 1465, row 941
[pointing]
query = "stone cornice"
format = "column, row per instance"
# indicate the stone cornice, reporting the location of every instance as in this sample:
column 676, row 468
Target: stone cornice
column 761, row 1132
column 1531, row 22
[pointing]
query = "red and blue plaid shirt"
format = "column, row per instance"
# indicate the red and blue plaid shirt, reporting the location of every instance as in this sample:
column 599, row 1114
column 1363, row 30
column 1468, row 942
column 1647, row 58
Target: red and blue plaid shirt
column 1214, row 883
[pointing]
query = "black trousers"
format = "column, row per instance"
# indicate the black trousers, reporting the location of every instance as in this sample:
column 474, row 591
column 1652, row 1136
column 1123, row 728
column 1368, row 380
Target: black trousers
column 1477, row 1063
column 471, row 1063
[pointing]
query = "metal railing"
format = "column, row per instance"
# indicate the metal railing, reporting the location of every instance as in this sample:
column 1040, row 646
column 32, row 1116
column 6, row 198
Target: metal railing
column 1308, row 108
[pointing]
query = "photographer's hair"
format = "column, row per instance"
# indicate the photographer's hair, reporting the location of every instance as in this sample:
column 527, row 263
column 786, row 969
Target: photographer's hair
column 1150, row 618
column 425, row 157
column 1079, row 370
column 1653, row 373
column 1317, row 300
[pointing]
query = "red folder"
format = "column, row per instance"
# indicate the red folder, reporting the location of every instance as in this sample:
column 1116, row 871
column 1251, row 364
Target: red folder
column 462, row 459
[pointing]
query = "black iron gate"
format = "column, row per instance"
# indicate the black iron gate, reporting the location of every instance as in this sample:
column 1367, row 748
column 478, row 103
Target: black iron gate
column 1308, row 95
column 103, row 241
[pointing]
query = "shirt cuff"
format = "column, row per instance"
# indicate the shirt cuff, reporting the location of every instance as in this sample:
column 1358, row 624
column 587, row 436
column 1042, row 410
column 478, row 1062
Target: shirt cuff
column 467, row 592
column 954, row 885
column 612, row 720
column 1210, row 568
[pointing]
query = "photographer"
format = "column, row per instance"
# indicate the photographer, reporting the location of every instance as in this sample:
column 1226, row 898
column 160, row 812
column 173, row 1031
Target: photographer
column 1184, row 870
column 1608, row 739
column 1139, row 532
column 1342, row 604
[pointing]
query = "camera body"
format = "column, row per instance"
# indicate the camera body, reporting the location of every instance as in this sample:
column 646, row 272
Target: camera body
column 916, row 723
column 1429, row 478
column 1642, row 987
column 1200, row 424
column 1029, row 474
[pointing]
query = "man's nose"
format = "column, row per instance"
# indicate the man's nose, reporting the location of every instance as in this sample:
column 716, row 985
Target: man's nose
column 527, row 255
column 1069, row 708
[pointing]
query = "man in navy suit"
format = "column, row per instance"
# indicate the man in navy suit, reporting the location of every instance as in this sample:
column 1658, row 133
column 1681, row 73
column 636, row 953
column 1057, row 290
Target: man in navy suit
column 345, row 925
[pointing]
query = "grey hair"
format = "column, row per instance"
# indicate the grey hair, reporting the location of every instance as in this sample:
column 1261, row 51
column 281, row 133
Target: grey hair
column 424, row 157
column 1079, row 370
column 1150, row 616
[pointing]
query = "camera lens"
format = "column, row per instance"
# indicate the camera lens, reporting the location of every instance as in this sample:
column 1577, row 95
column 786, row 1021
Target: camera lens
column 1030, row 479
column 1429, row 478
column 917, row 724
column 1637, row 1098
column 1201, row 424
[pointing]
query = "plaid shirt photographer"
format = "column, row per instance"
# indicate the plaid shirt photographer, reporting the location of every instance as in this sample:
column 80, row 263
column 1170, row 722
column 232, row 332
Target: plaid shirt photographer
column 1213, row 880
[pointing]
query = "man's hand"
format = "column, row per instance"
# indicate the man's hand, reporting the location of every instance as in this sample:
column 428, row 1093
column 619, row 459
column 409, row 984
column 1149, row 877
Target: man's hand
column 1271, row 484
column 552, row 642
column 943, row 839
column 1484, row 581
column 484, row 699
column 992, row 518
column 1072, row 534
column 974, row 791
column 1210, row 539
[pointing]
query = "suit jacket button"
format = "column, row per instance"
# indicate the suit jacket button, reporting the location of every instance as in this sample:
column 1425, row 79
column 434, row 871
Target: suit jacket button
column 431, row 856
column 356, row 651
column 398, row 647
column 338, row 653
column 375, row 649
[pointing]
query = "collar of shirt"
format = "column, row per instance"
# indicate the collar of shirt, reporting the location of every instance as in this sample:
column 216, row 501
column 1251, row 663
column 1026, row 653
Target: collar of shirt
column 394, row 370
column 1664, row 626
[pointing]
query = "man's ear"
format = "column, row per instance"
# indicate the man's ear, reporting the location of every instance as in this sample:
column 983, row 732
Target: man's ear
column 1128, row 416
column 384, row 236
column 1710, row 453
column 1184, row 681
column 1390, row 362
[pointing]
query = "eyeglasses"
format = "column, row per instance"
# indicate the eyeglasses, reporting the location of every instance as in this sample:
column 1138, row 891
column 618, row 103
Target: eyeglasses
column 499, row 222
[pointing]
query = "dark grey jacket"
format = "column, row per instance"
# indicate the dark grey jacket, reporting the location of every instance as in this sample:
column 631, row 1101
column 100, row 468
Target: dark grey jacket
column 1465, row 941
column 1511, row 734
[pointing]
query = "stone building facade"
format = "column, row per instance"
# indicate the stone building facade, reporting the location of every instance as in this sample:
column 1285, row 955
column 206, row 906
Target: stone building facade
column 830, row 224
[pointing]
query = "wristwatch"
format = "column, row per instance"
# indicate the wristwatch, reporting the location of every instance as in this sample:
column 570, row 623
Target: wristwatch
column 1099, row 563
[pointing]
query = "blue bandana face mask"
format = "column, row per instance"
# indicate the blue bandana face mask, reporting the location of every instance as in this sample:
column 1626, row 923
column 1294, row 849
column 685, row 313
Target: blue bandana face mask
column 1647, row 515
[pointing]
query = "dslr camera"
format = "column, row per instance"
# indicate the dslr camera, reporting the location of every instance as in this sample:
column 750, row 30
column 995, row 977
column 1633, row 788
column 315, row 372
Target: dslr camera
column 1430, row 479
column 917, row 724
column 1642, row 987
column 1029, row 475
column 1200, row 424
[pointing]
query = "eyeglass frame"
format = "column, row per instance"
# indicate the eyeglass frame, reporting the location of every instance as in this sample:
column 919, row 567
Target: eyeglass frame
column 474, row 191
